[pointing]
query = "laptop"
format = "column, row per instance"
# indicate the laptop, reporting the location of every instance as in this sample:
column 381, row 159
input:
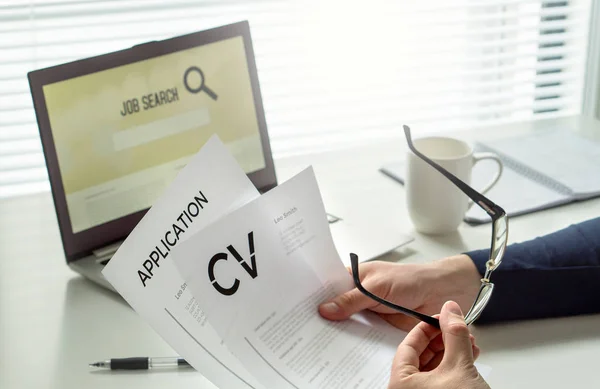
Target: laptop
column 117, row 128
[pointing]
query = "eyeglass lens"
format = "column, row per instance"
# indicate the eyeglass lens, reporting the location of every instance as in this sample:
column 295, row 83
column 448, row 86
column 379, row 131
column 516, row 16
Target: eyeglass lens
column 485, row 292
column 500, row 236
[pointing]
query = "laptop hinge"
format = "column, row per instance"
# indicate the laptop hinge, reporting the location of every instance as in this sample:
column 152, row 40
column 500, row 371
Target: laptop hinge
column 106, row 252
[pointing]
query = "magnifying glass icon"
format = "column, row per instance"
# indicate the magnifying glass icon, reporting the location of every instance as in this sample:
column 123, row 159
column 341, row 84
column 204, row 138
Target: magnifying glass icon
column 201, row 86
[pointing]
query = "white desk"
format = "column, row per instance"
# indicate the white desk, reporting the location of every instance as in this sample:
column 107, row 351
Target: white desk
column 52, row 322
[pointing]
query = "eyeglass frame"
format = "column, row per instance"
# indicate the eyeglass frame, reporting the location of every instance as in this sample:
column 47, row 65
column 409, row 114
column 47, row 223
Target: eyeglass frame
column 494, row 211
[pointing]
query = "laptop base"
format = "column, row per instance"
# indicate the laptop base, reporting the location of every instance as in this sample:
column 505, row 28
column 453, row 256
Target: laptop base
column 90, row 268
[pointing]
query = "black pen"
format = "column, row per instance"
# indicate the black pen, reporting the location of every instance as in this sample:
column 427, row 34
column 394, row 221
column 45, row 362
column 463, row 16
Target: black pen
column 141, row 363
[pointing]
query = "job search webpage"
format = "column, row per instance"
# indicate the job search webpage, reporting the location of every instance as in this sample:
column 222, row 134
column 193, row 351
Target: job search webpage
column 122, row 134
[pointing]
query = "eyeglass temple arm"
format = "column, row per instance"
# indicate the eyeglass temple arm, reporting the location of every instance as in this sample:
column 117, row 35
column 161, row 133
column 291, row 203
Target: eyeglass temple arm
column 417, row 315
column 486, row 204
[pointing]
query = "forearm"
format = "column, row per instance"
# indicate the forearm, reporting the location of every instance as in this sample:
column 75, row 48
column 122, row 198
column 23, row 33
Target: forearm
column 554, row 275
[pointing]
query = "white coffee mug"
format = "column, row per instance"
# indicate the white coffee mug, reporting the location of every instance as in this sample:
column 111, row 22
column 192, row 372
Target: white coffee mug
column 435, row 204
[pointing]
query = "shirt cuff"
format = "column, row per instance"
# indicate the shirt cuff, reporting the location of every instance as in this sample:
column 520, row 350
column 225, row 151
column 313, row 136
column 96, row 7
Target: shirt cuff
column 479, row 257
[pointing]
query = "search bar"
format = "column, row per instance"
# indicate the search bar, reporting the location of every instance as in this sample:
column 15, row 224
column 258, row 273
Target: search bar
column 159, row 129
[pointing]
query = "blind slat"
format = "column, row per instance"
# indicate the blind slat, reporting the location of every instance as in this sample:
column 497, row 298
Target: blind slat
column 66, row 36
column 487, row 65
column 331, row 73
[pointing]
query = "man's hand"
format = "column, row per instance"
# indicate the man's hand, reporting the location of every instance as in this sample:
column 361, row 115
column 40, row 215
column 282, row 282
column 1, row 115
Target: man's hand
column 422, row 361
column 421, row 287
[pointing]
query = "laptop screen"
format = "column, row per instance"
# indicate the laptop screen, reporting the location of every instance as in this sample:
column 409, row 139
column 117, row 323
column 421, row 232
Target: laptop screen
column 117, row 128
column 122, row 134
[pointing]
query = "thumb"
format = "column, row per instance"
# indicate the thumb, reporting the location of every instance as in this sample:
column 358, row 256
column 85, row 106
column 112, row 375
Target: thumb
column 345, row 305
column 456, row 335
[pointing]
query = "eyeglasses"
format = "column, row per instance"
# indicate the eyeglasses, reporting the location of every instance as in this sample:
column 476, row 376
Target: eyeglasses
column 498, row 246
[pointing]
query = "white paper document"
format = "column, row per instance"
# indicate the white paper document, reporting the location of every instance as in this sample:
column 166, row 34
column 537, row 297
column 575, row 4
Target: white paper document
column 232, row 281
column 260, row 272
column 142, row 270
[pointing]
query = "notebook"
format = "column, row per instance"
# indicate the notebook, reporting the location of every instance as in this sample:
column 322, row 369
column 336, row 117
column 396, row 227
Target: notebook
column 541, row 170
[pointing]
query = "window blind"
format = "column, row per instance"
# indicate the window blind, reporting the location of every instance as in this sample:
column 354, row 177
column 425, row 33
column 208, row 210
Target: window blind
column 332, row 73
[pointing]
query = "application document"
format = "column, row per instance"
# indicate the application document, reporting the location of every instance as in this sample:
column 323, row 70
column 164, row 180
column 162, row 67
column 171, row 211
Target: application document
column 260, row 272
column 232, row 281
column 142, row 271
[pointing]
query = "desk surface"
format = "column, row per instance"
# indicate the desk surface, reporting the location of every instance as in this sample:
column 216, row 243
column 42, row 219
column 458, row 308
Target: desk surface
column 53, row 322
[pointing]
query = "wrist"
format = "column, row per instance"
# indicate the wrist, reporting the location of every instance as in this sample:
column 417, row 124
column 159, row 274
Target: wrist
column 455, row 278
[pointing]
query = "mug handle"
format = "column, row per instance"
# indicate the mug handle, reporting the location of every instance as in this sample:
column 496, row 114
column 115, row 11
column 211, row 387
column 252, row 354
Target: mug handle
column 486, row 155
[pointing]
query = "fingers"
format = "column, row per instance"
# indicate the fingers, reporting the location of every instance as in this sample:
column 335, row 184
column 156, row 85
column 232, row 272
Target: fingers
column 432, row 356
column 433, row 363
column 476, row 352
column 436, row 347
column 407, row 359
column 476, row 349
column 403, row 322
column 345, row 305
column 457, row 337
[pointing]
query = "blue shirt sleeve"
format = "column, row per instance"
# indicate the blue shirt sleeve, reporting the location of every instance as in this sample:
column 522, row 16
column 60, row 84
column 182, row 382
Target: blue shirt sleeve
column 553, row 275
